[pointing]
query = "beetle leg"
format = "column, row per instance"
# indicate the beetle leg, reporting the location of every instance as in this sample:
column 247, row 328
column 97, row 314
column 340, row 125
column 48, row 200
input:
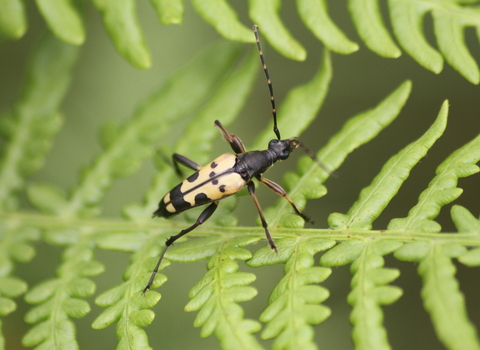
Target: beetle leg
column 178, row 159
column 281, row 192
column 204, row 216
column 251, row 190
column 233, row 140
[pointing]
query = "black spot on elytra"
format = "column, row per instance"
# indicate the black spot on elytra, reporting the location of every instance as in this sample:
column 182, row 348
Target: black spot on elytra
column 193, row 177
column 176, row 199
column 222, row 188
column 212, row 174
column 215, row 182
column 213, row 165
column 201, row 198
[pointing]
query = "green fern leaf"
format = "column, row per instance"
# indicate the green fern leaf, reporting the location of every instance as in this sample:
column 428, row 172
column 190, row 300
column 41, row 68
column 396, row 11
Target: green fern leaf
column 450, row 20
column 13, row 19
column 465, row 221
column 357, row 131
column 34, row 120
column 449, row 30
column 57, row 299
column 441, row 190
column 294, row 303
column 219, row 14
column 217, row 293
column 367, row 19
column 467, row 224
column 407, row 17
column 345, row 253
column 441, row 294
column 46, row 198
column 119, row 18
column 471, row 258
column 125, row 303
column 369, row 291
column 374, row 198
column 315, row 16
column 169, row 11
column 265, row 15
column 63, row 19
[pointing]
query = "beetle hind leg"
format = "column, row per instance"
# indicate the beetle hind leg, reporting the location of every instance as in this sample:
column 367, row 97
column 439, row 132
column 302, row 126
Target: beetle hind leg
column 204, row 216
column 251, row 190
column 281, row 192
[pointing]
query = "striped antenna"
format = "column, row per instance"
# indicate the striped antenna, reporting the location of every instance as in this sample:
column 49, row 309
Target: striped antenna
column 269, row 82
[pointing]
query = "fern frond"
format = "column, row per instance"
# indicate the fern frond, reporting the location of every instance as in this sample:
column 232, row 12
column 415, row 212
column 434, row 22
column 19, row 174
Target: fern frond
column 368, row 21
column 315, row 16
column 265, row 14
column 34, row 120
column 450, row 20
column 120, row 20
column 441, row 190
column 374, row 198
column 369, row 286
column 357, row 131
column 13, row 19
column 294, row 303
column 125, row 303
column 59, row 299
column 169, row 11
column 440, row 292
column 216, row 296
column 64, row 20
column 224, row 19
column 465, row 221
column 15, row 245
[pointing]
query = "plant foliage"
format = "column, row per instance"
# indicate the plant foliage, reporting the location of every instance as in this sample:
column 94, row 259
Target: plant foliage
column 450, row 19
column 217, row 82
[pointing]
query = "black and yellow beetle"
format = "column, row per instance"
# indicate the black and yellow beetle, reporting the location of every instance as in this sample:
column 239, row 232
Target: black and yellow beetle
column 226, row 175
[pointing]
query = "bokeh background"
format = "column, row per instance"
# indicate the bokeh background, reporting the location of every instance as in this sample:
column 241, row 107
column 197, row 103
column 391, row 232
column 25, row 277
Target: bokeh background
column 107, row 88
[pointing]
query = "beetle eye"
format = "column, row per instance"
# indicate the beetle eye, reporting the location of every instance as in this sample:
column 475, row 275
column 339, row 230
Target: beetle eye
column 272, row 143
column 284, row 154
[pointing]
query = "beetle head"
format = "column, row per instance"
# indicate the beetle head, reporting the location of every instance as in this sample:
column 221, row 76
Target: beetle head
column 283, row 148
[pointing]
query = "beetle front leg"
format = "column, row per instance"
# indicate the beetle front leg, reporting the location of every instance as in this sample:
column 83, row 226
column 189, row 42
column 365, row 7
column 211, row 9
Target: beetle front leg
column 251, row 190
column 281, row 192
column 204, row 216
column 233, row 140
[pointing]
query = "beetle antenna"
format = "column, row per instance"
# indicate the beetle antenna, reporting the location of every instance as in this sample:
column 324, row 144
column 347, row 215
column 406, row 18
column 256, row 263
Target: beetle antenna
column 312, row 155
column 269, row 82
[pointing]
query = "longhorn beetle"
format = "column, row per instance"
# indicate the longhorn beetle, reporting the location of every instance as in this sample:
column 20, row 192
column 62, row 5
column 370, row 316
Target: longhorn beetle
column 228, row 174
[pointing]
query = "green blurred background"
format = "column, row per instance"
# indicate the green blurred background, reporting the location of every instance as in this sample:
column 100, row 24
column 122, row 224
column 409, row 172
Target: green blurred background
column 107, row 88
